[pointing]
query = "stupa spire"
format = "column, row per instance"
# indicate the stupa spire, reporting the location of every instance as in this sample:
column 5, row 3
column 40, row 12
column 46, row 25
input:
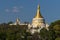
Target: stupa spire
column 38, row 14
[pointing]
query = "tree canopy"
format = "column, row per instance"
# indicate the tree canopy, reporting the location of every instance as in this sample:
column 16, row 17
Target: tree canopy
column 18, row 32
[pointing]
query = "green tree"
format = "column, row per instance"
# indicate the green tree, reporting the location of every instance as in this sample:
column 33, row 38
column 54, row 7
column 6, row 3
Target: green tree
column 55, row 26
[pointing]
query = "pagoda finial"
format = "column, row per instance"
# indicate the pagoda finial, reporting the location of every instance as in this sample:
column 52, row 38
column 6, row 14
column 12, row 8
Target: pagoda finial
column 38, row 14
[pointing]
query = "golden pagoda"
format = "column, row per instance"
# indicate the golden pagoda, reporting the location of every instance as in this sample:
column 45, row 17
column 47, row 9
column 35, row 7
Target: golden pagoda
column 38, row 14
column 38, row 20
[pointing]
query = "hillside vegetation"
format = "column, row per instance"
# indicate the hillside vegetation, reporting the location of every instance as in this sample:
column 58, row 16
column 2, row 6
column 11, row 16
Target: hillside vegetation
column 18, row 32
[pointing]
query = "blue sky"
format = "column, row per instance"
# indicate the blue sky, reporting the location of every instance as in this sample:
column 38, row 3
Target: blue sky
column 25, row 10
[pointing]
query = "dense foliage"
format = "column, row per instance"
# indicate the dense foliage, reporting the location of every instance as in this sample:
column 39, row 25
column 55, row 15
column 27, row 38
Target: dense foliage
column 11, row 32
column 18, row 32
column 55, row 26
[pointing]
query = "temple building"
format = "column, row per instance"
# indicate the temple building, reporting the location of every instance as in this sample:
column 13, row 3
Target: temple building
column 38, row 22
column 18, row 22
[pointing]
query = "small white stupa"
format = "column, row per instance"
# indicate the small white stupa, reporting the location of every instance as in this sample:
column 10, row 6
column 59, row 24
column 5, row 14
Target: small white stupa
column 17, row 22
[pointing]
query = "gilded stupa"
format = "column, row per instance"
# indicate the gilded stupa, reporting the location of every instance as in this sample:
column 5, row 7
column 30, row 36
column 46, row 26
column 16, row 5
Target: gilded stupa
column 38, row 20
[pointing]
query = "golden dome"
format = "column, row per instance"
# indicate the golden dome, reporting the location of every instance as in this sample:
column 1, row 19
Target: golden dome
column 38, row 14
